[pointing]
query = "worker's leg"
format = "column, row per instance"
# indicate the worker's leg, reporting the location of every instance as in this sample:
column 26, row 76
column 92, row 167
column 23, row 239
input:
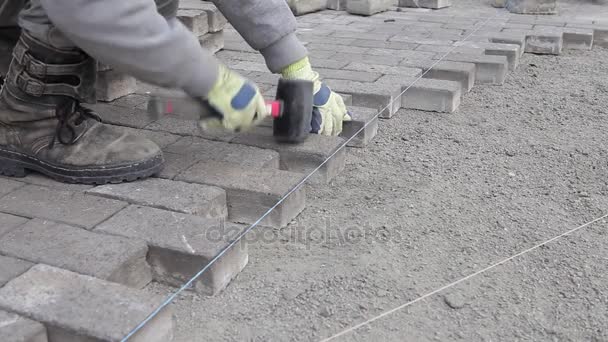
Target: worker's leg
column 268, row 26
column 42, row 124
column 9, row 32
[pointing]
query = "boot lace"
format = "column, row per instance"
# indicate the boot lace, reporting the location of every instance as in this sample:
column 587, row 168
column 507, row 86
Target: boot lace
column 70, row 116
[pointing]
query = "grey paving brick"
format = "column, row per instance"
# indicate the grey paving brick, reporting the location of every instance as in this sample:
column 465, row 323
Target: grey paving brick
column 194, row 199
column 300, row 7
column 327, row 63
column 506, row 38
column 195, row 20
column 182, row 127
column 161, row 139
column 600, row 36
column 174, row 164
column 9, row 222
column 217, row 21
column 359, row 35
column 434, row 4
column 383, row 44
column 122, row 116
column 360, row 118
column 241, row 56
column 248, row 66
column 451, row 49
column 545, row 42
column 303, row 157
column 213, row 42
column 404, row 54
column 347, row 98
column 488, row 69
column 237, row 46
column 432, row 95
column 337, row 5
column 38, row 179
column 366, row 58
column 359, row 76
column 15, row 328
column 70, row 207
column 385, row 69
column 102, row 256
column 511, row 51
column 250, row 192
column 8, row 185
column 205, row 150
column 112, row 84
column 336, row 48
column 367, row 7
column 138, row 101
column 578, row 39
column 449, row 71
column 11, row 268
column 180, row 245
column 379, row 96
column 75, row 307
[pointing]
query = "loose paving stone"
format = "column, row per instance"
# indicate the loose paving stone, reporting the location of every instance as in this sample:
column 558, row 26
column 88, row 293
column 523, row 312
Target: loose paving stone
column 70, row 207
column 250, row 192
column 299, row 7
column 181, row 245
column 448, row 71
column 381, row 96
column 14, row 328
column 9, row 222
column 174, row 164
column 511, row 51
column 385, row 69
column 507, row 38
column 367, row 7
column 107, row 257
column 213, row 42
column 337, row 5
column 532, row 6
column 545, row 42
column 76, row 307
column 162, row 139
column 451, row 49
column 112, row 84
column 122, row 116
column 11, row 268
column 8, row 186
column 360, row 118
column 303, row 157
column 217, row 21
column 195, row 20
column 204, row 150
column 432, row 95
column 600, row 36
column 433, row 4
column 488, row 69
column 186, row 127
column 194, row 199
column 359, row 76
column 578, row 39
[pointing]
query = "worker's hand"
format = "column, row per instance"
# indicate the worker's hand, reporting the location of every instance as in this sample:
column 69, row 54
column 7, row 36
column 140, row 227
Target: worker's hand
column 237, row 100
column 329, row 110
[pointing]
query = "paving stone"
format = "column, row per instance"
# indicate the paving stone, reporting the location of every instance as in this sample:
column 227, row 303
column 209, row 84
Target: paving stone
column 432, row 95
column 174, row 164
column 384, row 97
column 248, row 66
column 8, row 185
column 300, row 7
column 600, row 36
column 217, row 21
column 194, row 199
column 138, row 101
column 76, row 307
column 9, row 222
column 70, row 207
column 182, row 127
column 448, row 71
column 360, row 35
column 511, row 51
column 161, row 139
column 347, row 98
column 313, row 47
column 303, row 157
column 112, row 84
column 11, row 268
column 391, row 60
column 545, row 42
column 507, row 38
column 578, row 39
column 367, row 7
column 213, row 42
column 180, row 245
column 102, row 256
column 237, row 46
column 383, row 44
column 360, row 117
column 359, row 76
column 251, row 192
column 433, row 4
column 195, row 20
column 385, row 69
column 488, row 69
column 14, row 328
column 327, row 63
column 337, row 5
column 241, row 56
column 403, row 54
column 532, row 6
column 451, row 49
column 122, row 116
column 247, row 156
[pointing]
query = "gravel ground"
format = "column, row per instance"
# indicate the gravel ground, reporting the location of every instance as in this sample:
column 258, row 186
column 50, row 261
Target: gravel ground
column 435, row 198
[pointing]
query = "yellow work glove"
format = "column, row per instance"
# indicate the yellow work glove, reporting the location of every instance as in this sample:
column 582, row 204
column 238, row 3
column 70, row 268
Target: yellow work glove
column 329, row 110
column 238, row 102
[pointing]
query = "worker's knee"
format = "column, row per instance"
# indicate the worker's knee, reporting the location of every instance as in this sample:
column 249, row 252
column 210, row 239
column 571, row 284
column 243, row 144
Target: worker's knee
column 167, row 8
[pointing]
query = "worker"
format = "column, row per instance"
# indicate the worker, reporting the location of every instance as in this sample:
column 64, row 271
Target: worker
column 44, row 127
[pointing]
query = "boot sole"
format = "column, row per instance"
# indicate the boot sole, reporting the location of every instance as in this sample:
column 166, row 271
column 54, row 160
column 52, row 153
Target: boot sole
column 15, row 164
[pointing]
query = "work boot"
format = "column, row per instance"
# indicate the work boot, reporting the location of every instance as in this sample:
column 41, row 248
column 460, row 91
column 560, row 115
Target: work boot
column 44, row 127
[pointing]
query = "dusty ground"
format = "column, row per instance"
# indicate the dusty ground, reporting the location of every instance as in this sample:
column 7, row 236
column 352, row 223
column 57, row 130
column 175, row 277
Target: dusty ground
column 437, row 197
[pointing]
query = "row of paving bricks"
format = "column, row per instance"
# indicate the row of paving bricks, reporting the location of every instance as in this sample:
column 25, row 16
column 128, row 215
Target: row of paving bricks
column 74, row 258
